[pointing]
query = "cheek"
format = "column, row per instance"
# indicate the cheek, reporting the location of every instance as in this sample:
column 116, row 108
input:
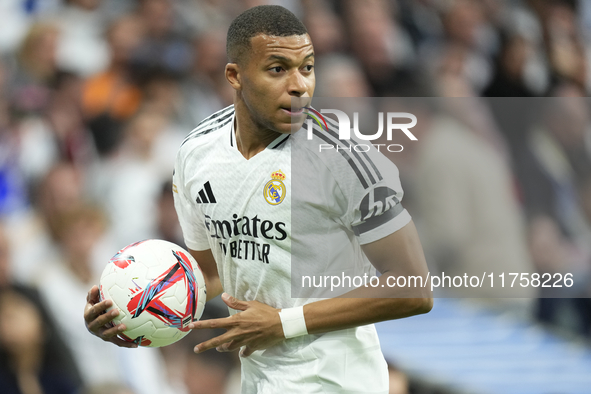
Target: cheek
column 262, row 95
column 312, row 85
column 269, row 89
column 263, row 84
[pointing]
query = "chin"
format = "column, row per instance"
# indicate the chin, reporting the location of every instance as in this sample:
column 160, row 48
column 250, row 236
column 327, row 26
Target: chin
column 281, row 126
column 297, row 124
column 285, row 128
column 290, row 127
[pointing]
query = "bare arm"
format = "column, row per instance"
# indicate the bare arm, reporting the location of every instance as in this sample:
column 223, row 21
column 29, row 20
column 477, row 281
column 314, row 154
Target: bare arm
column 399, row 253
column 210, row 272
column 259, row 325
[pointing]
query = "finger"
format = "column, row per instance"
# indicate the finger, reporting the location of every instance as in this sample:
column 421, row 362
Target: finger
column 234, row 303
column 121, row 343
column 246, row 352
column 224, row 322
column 94, row 311
column 228, row 347
column 107, row 333
column 214, row 342
column 102, row 320
column 97, row 309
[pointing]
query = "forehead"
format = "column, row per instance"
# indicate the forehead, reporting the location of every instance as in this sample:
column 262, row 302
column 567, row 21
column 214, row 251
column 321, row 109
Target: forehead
column 264, row 46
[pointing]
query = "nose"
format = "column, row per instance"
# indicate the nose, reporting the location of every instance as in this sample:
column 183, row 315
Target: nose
column 298, row 84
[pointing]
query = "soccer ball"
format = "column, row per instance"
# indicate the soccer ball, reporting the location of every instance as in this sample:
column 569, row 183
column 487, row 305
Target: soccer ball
column 158, row 289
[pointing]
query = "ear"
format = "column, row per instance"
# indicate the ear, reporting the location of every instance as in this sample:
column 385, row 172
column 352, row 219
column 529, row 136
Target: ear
column 233, row 75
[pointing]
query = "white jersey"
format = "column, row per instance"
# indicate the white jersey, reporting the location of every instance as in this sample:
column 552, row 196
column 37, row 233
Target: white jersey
column 288, row 204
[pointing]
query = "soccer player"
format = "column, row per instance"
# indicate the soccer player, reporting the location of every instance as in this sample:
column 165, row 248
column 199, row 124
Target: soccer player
column 231, row 189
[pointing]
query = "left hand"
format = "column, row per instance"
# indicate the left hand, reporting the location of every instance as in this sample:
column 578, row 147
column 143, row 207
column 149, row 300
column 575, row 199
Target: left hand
column 257, row 326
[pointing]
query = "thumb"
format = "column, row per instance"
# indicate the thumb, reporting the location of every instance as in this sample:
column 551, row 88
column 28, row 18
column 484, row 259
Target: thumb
column 233, row 302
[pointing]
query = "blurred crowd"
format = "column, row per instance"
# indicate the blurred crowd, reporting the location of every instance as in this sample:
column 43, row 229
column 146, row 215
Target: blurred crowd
column 97, row 95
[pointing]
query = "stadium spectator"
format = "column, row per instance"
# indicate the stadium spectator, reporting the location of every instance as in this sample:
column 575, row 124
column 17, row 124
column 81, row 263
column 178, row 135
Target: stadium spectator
column 326, row 27
column 62, row 285
column 560, row 232
column 77, row 117
column 380, row 44
column 81, row 48
column 341, row 76
column 206, row 87
column 128, row 184
column 508, row 79
column 36, row 64
column 65, row 118
column 33, row 358
column 469, row 214
column 33, row 230
column 165, row 46
column 111, row 97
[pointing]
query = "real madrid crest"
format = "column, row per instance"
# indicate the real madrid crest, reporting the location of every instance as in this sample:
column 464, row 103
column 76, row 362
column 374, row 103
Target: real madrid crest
column 275, row 190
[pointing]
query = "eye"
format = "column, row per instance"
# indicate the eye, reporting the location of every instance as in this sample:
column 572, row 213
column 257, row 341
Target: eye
column 309, row 67
column 277, row 69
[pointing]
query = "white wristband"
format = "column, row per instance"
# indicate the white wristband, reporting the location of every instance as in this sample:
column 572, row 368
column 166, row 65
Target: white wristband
column 293, row 322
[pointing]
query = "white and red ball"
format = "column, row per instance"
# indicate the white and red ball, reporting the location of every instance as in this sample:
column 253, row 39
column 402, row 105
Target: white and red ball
column 158, row 288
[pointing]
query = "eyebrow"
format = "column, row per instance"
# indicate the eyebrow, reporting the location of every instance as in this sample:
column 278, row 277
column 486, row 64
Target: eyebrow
column 286, row 60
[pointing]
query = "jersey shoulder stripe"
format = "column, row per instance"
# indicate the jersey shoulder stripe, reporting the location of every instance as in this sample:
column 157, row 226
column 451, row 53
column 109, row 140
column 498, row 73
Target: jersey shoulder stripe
column 345, row 155
column 353, row 142
column 212, row 123
column 359, row 161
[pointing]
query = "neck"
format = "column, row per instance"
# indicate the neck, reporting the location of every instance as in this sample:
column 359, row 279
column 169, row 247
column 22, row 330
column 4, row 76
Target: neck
column 251, row 139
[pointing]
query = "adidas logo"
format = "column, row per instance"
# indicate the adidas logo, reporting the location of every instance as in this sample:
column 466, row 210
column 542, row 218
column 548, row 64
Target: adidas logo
column 205, row 195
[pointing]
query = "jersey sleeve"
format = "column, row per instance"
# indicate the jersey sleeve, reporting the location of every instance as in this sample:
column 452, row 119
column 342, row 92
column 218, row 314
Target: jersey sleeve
column 190, row 218
column 371, row 188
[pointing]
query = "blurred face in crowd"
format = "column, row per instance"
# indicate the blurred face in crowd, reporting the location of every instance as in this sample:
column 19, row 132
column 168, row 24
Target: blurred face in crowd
column 21, row 325
column 327, row 29
column 340, row 76
column 38, row 50
column 210, row 53
column 158, row 16
column 142, row 132
column 514, row 56
column 274, row 70
column 372, row 33
column 80, row 236
column 124, row 36
column 62, row 188
column 462, row 20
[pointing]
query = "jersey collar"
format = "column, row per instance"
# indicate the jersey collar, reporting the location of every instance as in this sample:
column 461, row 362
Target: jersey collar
column 275, row 144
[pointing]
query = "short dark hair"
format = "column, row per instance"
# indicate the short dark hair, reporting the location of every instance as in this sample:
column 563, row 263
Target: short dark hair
column 272, row 20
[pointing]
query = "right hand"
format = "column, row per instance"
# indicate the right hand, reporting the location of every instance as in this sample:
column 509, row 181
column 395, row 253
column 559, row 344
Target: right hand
column 97, row 319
